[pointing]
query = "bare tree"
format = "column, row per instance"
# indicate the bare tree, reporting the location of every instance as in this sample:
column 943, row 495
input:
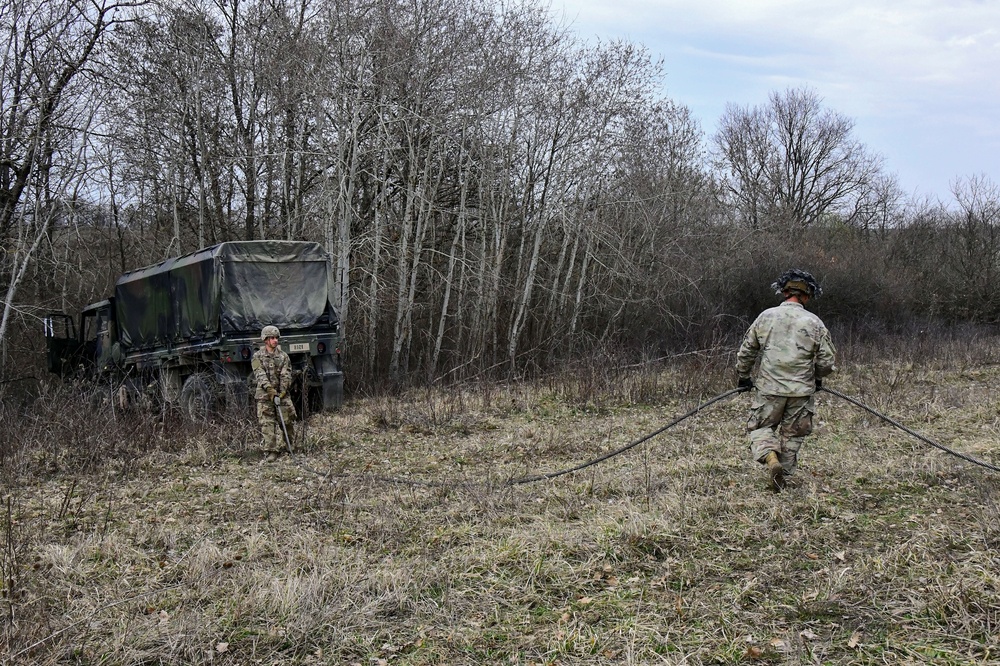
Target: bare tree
column 168, row 105
column 971, row 259
column 45, row 119
column 878, row 206
column 791, row 162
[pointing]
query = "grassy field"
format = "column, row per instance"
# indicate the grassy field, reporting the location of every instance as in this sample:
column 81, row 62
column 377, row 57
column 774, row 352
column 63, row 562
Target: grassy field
column 395, row 536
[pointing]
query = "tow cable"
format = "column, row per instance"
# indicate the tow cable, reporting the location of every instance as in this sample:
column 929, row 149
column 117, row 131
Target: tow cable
column 632, row 445
column 671, row 424
column 723, row 396
column 902, row 427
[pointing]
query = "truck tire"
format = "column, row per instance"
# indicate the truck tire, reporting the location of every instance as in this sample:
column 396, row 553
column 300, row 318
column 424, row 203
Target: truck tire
column 197, row 397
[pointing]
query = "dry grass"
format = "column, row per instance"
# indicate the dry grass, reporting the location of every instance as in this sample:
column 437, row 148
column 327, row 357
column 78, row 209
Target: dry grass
column 395, row 538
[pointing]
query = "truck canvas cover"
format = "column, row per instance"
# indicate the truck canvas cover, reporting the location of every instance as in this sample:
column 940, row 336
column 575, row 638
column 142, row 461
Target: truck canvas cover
column 228, row 289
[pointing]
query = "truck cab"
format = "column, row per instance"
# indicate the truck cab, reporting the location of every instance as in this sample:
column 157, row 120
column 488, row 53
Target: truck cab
column 83, row 349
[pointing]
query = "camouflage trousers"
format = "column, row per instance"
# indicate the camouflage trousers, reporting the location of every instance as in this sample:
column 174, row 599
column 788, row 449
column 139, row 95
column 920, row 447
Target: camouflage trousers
column 272, row 437
column 780, row 424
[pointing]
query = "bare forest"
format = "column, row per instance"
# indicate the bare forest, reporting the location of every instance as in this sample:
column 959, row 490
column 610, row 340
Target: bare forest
column 499, row 196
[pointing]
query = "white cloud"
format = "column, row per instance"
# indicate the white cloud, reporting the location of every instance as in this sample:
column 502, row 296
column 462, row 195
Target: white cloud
column 931, row 41
column 912, row 66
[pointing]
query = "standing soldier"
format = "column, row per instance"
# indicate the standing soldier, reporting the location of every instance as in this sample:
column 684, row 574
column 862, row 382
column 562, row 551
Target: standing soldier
column 795, row 352
column 272, row 369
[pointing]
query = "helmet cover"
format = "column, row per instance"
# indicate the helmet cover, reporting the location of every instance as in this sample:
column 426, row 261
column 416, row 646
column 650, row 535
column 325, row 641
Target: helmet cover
column 269, row 332
column 798, row 281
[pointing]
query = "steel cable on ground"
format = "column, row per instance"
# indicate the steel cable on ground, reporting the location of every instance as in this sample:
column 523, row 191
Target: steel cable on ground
column 637, row 442
column 526, row 479
column 902, row 427
column 631, row 445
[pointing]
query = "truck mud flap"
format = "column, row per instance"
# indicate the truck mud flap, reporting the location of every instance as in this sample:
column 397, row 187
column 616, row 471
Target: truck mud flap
column 333, row 391
column 331, row 381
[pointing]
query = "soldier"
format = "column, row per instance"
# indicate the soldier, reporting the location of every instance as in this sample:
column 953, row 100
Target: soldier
column 272, row 370
column 795, row 352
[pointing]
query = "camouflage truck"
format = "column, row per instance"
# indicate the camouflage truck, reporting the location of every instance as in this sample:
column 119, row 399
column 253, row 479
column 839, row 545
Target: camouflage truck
column 183, row 331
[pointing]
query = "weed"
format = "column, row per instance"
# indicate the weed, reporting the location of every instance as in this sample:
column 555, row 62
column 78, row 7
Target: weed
column 395, row 539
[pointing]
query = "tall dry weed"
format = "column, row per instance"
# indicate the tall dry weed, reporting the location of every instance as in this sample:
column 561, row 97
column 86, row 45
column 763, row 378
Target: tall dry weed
column 396, row 537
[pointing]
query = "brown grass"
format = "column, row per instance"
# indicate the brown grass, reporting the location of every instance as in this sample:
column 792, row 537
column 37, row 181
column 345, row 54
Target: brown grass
column 395, row 539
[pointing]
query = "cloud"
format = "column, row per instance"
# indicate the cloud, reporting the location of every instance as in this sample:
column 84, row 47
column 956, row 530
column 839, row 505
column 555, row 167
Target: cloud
column 916, row 74
column 947, row 44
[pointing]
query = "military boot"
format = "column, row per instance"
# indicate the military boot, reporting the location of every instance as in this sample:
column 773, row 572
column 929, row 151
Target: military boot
column 775, row 469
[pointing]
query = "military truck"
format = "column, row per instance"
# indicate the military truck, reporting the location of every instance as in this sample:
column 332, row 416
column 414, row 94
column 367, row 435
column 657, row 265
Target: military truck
column 182, row 332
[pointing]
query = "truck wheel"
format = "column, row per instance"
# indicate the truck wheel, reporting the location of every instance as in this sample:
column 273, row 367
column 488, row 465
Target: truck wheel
column 197, row 397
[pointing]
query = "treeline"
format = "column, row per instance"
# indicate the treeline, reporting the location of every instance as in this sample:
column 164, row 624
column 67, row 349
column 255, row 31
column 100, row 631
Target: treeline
column 497, row 196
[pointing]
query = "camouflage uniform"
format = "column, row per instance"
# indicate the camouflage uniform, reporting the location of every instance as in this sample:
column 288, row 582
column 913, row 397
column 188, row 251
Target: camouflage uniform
column 273, row 371
column 794, row 349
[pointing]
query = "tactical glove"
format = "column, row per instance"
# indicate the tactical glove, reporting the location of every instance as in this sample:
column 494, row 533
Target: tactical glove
column 271, row 393
column 282, row 395
column 745, row 383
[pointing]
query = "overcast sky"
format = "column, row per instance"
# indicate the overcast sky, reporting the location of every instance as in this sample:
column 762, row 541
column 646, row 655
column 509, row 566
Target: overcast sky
column 920, row 78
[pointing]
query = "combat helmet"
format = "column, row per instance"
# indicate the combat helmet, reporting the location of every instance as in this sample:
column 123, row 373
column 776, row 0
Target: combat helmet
column 796, row 281
column 269, row 332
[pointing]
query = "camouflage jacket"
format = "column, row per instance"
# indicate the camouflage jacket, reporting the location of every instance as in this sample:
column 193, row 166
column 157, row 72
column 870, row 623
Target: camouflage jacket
column 271, row 371
column 794, row 349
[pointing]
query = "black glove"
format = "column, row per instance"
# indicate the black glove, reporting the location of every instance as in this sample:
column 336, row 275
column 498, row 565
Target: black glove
column 819, row 383
column 745, row 383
